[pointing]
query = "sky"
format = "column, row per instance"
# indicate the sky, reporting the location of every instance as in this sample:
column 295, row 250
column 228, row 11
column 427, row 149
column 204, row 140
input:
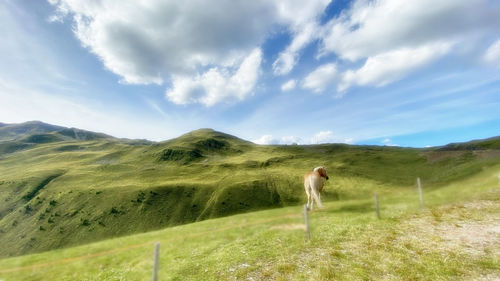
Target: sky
column 383, row 72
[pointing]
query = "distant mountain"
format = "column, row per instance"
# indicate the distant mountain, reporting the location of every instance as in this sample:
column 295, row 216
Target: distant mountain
column 490, row 143
column 47, row 132
column 15, row 137
column 9, row 132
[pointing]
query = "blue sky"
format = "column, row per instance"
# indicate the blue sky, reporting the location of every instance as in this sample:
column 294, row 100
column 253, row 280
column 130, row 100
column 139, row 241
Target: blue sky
column 387, row 72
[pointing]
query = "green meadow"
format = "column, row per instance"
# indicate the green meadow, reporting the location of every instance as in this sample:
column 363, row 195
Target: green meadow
column 77, row 205
column 455, row 237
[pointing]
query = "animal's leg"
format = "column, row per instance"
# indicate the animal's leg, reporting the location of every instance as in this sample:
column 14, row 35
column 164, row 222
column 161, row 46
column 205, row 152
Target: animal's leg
column 308, row 200
column 312, row 201
column 315, row 195
column 308, row 194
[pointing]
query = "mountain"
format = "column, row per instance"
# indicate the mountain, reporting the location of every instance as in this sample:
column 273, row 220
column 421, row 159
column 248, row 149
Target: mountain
column 15, row 137
column 61, row 187
column 29, row 132
column 9, row 132
column 490, row 143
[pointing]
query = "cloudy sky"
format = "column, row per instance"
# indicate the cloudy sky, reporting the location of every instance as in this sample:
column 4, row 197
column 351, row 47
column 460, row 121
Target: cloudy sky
column 386, row 72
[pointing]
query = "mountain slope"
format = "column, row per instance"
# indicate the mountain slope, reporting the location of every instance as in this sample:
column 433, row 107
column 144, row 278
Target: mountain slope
column 9, row 132
column 490, row 143
column 62, row 191
column 15, row 137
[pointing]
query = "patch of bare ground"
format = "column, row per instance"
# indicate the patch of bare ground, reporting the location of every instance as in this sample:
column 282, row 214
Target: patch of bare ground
column 291, row 226
column 471, row 230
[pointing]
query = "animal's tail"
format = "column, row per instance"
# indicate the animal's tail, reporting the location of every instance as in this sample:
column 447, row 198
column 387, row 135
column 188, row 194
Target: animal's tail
column 316, row 197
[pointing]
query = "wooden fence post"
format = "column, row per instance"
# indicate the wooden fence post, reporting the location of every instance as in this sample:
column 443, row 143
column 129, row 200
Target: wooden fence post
column 420, row 192
column 376, row 206
column 308, row 235
column 156, row 260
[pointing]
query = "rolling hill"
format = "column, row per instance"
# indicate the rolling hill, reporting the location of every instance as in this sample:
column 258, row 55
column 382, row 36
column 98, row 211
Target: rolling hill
column 62, row 187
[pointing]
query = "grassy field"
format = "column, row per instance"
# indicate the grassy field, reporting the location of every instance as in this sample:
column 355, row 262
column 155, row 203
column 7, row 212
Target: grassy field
column 455, row 237
column 70, row 187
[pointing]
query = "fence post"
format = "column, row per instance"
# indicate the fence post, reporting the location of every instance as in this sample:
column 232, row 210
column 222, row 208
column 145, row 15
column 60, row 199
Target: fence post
column 308, row 235
column 156, row 259
column 420, row 192
column 376, row 206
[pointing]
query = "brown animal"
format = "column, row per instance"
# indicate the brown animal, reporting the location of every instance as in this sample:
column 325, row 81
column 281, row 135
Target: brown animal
column 313, row 184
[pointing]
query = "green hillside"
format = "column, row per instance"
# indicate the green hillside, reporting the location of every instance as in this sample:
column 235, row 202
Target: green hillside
column 64, row 187
column 455, row 237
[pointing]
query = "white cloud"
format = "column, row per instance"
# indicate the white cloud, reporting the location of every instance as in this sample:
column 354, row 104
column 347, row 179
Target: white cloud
column 329, row 137
column 266, row 140
column 393, row 38
column 304, row 29
column 322, row 77
column 388, row 142
column 349, row 140
column 322, row 137
column 373, row 27
column 269, row 139
column 492, row 55
column 197, row 44
column 217, row 84
column 288, row 58
column 388, row 67
column 289, row 85
column 291, row 140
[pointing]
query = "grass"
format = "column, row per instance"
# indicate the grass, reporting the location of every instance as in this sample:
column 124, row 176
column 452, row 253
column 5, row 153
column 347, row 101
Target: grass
column 348, row 243
column 90, row 187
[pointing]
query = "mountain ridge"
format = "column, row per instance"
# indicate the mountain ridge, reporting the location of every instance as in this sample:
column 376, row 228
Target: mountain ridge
column 22, row 130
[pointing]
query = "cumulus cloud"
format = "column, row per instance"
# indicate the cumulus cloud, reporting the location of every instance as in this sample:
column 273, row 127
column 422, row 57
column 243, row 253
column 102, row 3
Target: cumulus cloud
column 392, row 38
column 318, row 138
column 217, row 84
column 322, row 77
column 266, row 140
column 289, row 85
column 269, row 139
column 369, row 28
column 388, row 67
column 291, row 140
column 196, row 45
column 329, row 137
column 322, row 137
